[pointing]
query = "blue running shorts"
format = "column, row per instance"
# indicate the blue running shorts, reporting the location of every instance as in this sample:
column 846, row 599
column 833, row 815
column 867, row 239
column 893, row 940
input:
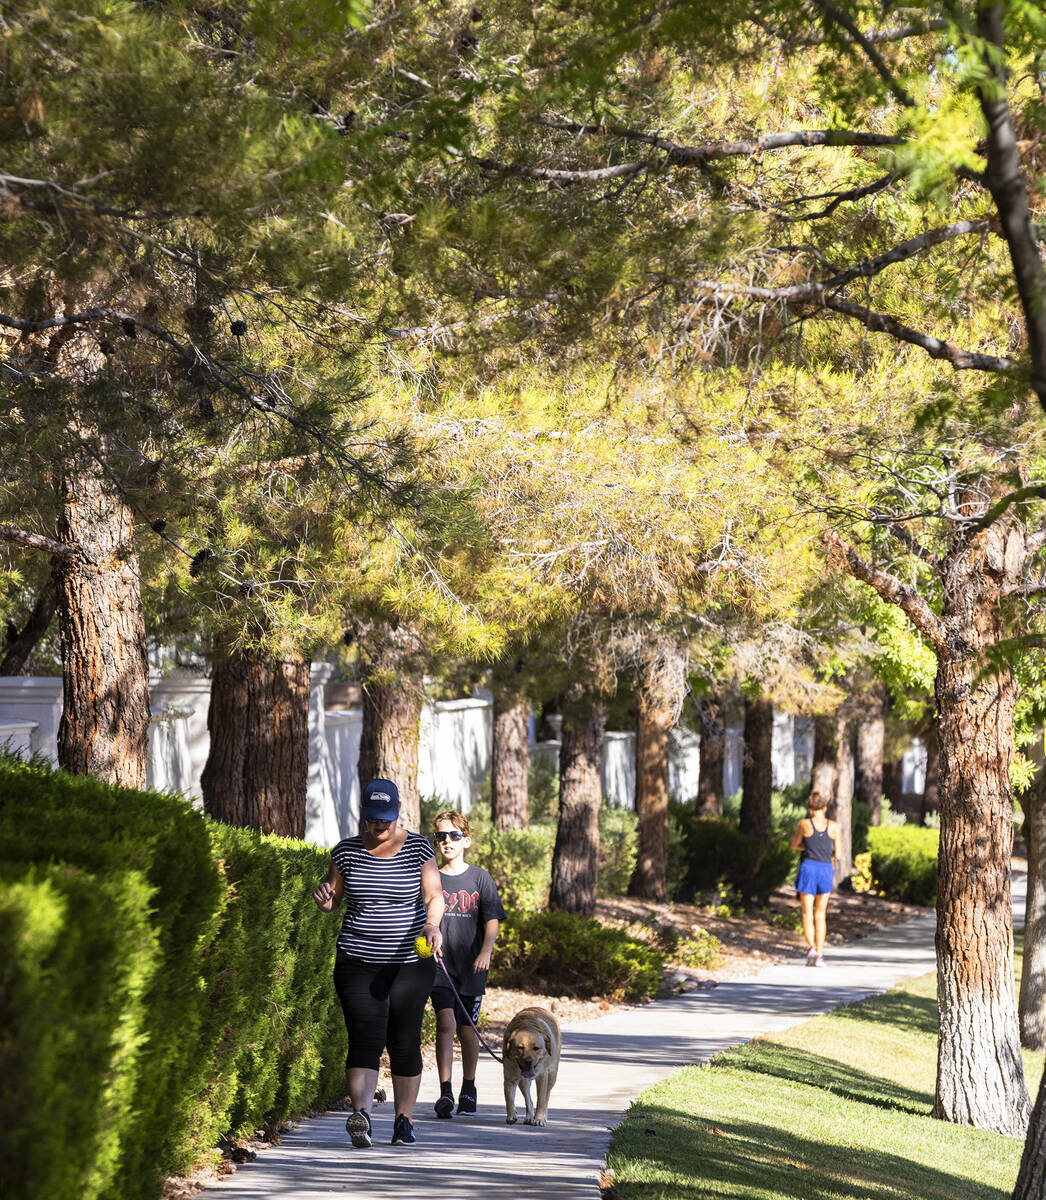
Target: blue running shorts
column 815, row 878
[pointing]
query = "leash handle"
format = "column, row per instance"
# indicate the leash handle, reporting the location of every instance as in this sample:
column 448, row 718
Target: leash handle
column 468, row 1015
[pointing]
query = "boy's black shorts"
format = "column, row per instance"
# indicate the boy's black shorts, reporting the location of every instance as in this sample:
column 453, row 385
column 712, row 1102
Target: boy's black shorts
column 443, row 997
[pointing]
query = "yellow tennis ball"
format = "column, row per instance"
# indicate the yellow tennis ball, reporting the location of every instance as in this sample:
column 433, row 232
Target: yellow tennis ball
column 422, row 947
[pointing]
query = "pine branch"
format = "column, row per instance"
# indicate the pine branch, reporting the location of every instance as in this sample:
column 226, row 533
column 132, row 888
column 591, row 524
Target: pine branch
column 843, row 20
column 35, row 541
column 907, row 599
column 696, row 156
column 1006, row 182
column 1033, row 491
column 21, row 642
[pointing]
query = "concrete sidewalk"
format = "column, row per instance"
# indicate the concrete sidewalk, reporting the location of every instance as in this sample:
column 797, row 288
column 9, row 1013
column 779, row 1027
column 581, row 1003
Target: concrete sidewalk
column 606, row 1063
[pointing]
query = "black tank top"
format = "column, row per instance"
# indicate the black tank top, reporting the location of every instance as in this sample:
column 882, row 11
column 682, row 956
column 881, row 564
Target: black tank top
column 819, row 846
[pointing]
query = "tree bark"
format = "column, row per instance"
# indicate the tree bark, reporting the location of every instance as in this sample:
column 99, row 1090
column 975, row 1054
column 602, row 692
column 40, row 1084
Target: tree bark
column 22, row 642
column 257, row 769
column 104, row 730
column 893, row 781
column 757, row 769
column 980, row 1075
column 510, row 760
column 930, row 803
column 575, row 859
column 392, row 666
column 868, row 766
column 712, row 758
column 825, row 770
column 1031, row 1178
column 1032, row 1003
column 843, row 814
column 661, row 691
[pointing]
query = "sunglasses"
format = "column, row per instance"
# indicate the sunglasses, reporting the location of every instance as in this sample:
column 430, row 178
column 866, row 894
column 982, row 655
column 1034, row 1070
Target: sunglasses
column 449, row 835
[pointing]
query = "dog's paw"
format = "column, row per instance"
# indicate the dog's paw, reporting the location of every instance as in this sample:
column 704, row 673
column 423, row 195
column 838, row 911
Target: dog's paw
column 510, row 1120
column 537, row 1120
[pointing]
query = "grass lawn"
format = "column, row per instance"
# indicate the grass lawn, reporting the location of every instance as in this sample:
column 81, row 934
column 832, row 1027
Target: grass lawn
column 833, row 1109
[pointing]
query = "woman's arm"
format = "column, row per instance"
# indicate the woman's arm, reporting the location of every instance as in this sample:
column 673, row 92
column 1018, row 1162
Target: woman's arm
column 328, row 894
column 490, row 933
column 797, row 841
column 432, row 894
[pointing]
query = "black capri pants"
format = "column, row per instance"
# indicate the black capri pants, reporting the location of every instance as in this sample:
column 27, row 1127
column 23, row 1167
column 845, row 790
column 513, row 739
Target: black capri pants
column 383, row 1005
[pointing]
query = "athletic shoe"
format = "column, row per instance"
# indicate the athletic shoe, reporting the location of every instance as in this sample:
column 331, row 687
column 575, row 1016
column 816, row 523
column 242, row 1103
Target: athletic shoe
column 811, row 954
column 357, row 1126
column 819, row 961
column 444, row 1106
column 467, row 1102
column 403, row 1132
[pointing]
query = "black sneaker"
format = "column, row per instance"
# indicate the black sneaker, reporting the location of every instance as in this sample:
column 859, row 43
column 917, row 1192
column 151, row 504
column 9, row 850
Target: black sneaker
column 357, row 1126
column 467, row 1102
column 444, row 1106
column 403, row 1132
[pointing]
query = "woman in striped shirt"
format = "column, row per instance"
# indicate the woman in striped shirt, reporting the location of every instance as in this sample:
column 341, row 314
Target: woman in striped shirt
column 392, row 891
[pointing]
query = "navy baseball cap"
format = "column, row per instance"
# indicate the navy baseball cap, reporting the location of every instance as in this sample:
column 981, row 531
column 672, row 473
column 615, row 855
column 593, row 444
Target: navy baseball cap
column 380, row 801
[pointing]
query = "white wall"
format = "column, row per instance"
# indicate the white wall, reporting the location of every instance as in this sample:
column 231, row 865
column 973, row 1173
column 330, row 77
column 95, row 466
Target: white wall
column 454, row 753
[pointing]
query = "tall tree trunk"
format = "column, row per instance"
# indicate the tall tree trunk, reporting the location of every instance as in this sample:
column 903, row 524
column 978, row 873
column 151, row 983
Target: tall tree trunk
column 825, row 769
column 893, row 781
column 712, row 756
column 1032, row 1004
column 104, row 730
column 1031, row 1179
column 22, row 642
column 510, row 760
column 980, row 1075
column 844, row 868
column 868, row 765
column 575, row 859
column 257, row 769
column 757, row 769
column 392, row 666
column 661, row 691
column 930, row 803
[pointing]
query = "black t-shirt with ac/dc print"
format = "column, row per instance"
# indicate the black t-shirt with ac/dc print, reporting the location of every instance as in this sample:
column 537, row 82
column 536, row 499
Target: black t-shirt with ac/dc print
column 471, row 900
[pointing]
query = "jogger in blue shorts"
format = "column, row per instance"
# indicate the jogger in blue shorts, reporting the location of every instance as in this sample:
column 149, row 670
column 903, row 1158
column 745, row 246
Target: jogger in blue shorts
column 818, row 839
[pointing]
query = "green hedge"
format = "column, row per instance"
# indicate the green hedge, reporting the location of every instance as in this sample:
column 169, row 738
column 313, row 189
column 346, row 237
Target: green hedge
column 904, row 862
column 164, row 982
column 566, row 955
column 717, row 853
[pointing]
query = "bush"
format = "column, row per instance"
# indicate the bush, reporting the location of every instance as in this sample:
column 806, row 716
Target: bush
column 519, row 861
column 164, row 984
column 719, row 854
column 559, row 953
column 904, row 863
column 618, row 847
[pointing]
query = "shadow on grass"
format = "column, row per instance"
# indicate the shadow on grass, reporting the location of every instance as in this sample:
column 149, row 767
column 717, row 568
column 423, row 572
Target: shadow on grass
column 800, row 1066
column 701, row 1158
column 915, row 1014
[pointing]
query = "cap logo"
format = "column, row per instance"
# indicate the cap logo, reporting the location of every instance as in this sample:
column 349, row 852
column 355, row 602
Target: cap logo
column 379, row 796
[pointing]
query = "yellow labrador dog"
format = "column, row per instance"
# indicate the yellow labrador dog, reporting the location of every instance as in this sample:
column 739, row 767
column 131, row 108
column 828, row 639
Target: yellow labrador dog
column 531, row 1051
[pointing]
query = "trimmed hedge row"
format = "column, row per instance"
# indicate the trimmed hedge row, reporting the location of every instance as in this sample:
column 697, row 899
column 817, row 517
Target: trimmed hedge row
column 904, row 862
column 164, row 982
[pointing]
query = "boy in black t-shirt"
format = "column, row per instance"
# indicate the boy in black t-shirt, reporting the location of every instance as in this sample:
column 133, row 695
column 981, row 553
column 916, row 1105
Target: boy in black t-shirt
column 470, row 925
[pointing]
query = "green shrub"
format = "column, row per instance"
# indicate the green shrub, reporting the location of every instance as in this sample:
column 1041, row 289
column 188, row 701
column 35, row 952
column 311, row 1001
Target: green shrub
column 179, row 971
column 559, row 953
column 904, row 863
column 718, row 853
column 519, row 861
column 698, row 949
column 618, row 847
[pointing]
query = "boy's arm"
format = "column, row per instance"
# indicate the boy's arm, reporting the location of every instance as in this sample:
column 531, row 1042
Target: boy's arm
column 490, row 932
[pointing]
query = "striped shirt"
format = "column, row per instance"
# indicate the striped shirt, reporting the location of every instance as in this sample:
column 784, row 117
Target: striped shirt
column 385, row 909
